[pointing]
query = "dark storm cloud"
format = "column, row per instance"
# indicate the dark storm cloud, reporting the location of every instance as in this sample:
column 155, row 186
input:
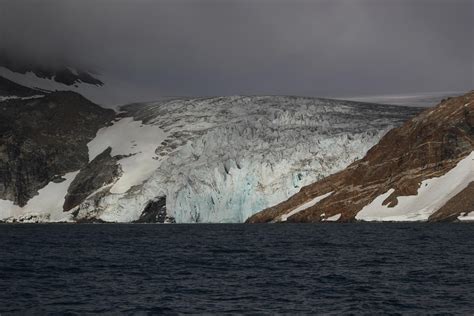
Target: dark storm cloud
column 203, row 47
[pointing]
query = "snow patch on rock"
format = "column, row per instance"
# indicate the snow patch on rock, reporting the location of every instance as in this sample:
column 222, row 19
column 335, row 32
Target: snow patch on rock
column 432, row 195
column 304, row 206
column 333, row 218
column 15, row 97
column 46, row 206
column 134, row 140
column 467, row 217
column 109, row 95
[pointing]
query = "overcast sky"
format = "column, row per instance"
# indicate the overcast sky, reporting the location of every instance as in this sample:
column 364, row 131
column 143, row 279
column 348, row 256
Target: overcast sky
column 223, row 47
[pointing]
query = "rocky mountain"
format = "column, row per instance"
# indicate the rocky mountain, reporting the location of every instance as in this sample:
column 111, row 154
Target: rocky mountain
column 219, row 159
column 43, row 79
column 42, row 138
column 421, row 171
column 68, row 76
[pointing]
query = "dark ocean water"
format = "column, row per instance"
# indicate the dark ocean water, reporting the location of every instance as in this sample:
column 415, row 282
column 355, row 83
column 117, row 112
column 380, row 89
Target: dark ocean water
column 260, row 269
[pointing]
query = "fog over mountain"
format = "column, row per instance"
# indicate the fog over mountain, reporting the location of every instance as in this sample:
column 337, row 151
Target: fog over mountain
column 427, row 99
column 187, row 48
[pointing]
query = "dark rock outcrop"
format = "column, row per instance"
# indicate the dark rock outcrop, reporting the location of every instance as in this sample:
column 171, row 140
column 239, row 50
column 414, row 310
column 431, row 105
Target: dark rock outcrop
column 102, row 170
column 425, row 147
column 43, row 138
column 9, row 88
column 463, row 202
column 155, row 212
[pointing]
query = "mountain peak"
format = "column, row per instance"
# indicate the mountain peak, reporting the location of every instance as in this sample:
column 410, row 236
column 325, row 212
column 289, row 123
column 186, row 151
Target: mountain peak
column 63, row 74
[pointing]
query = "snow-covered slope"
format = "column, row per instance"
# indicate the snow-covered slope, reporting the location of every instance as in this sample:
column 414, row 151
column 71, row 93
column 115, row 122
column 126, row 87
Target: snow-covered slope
column 431, row 196
column 12, row 97
column 109, row 94
column 44, row 207
column 222, row 159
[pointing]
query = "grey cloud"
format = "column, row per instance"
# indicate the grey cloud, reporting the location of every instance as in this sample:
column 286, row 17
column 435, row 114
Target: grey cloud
column 203, row 47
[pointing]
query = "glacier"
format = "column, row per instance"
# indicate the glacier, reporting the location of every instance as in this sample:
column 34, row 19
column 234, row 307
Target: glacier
column 222, row 159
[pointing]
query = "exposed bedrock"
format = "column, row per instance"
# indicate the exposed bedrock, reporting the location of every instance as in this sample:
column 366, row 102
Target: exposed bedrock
column 460, row 205
column 10, row 88
column 101, row 171
column 44, row 138
column 155, row 212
